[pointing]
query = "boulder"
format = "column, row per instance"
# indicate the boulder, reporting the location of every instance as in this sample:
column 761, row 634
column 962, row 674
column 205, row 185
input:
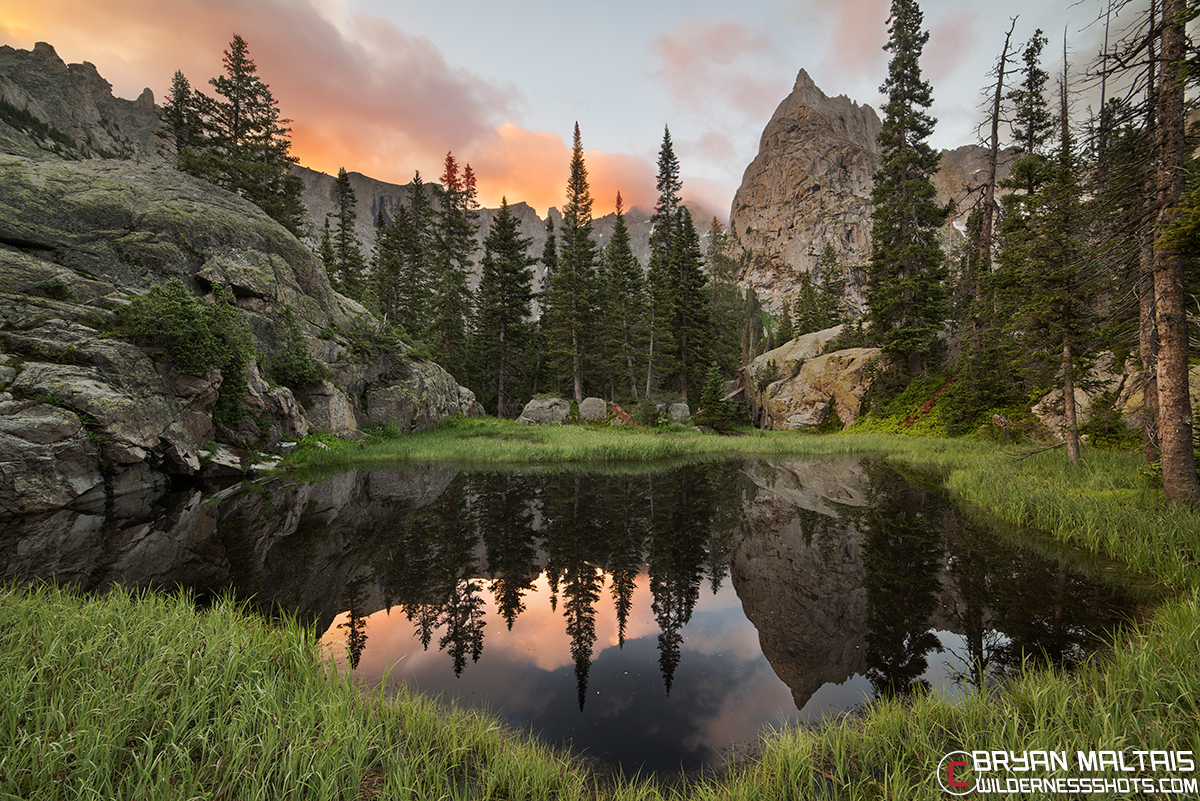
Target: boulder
column 798, row 385
column 543, row 411
column 679, row 412
column 593, row 409
column 425, row 395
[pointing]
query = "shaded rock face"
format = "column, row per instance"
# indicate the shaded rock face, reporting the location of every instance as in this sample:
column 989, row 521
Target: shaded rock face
column 810, row 185
column 87, row 415
column 78, row 105
column 799, row 385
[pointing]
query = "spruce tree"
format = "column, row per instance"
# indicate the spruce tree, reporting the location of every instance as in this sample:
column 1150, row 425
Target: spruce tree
column 250, row 140
column 1054, row 316
column 692, row 327
column 905, row 297
column 184, row 129
column 452, row 242
column 626, row 290
column 348, row 258
column 661, row 352
column 503, row 311
column 725, row 298
column 573, row 286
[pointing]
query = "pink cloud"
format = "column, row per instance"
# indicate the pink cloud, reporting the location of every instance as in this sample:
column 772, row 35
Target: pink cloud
column 703, row 62
column 859, row 32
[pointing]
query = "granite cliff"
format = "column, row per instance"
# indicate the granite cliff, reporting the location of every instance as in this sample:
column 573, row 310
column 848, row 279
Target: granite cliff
column 810, row 185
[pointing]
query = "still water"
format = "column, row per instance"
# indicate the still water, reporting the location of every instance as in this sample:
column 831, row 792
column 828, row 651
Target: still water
column 656, row 620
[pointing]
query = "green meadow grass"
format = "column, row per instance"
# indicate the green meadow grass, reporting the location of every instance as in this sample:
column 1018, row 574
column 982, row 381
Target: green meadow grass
column 138, row 696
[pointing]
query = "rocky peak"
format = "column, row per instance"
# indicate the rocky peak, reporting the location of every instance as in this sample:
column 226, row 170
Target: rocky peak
column 73, row 111
column 810, row 185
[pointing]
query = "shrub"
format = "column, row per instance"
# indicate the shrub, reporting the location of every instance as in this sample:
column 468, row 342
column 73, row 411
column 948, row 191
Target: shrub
column 196, row 336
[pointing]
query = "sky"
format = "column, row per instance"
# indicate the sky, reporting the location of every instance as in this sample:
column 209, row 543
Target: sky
column 388, row 88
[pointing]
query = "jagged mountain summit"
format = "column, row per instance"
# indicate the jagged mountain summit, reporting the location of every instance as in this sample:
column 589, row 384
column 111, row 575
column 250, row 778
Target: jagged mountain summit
column 810, row 185
column 69, row 110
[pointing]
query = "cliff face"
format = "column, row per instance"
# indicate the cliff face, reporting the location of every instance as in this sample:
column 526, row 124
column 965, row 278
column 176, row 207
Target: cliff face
column 810, row 185
column 78, row 114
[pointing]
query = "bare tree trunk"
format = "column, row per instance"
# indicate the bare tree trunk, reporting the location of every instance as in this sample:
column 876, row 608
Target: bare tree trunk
column 1147, row 326
column 1180, row 483
column 1069, row 412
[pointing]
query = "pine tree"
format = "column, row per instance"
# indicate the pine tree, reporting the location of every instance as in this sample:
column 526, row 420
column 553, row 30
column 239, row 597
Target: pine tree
column 452, row 243
column 503, row 311
column 626, row 289
column 725, row 298
column 348, row 258
column 664, row 222
column 692, row 328
column 184, row 126
column 905, row 296
column 1054, row 316
column 573, row 286
column 250, row 140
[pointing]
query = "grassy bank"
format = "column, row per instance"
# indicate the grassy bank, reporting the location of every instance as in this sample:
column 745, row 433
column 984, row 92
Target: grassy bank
column 144, row 697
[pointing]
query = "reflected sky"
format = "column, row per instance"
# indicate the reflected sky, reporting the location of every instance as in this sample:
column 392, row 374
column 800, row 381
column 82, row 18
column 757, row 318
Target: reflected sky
column 724, row 691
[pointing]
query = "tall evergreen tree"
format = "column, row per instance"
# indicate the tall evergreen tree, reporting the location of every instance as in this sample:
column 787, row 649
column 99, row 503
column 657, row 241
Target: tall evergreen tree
column 1055, row 316
column 692, row 327
column 452, row 242
column 184, row 125
column 503, row 311
column 251, row 141
column 726, row 300
column 573, row 286
column 660, row 342
column 905, row 297
column 348, row 258
column 626, row 289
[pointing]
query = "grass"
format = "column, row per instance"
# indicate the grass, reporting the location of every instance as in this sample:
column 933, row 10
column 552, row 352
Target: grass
column 137, row 696
column 141, row 696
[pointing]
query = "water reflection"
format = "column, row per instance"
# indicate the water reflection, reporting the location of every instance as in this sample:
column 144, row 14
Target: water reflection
column 653, row 618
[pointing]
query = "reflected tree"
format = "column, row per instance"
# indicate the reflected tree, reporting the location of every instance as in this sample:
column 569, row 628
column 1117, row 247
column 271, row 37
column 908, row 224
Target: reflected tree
column 902, row 557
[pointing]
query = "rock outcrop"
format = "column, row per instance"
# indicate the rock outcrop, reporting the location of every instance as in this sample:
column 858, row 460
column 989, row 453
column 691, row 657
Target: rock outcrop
column 810, row 185
column 85, row 416
column 798, row 385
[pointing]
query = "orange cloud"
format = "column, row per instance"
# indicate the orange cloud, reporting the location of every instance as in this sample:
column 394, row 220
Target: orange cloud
column 360, row 92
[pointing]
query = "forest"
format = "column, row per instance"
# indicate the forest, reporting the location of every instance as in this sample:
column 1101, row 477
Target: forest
column 1086, row 248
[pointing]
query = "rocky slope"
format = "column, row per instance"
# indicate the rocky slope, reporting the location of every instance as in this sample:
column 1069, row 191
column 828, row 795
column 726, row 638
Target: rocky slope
column 86, row 416
column 810, row 185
